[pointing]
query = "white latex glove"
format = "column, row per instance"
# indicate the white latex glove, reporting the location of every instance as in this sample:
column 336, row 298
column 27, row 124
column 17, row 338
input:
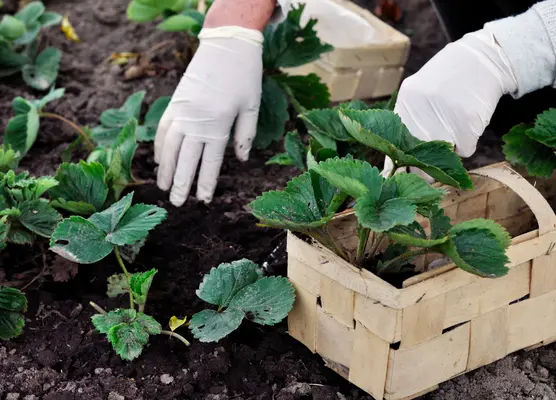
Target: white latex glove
column 222, row 84
column 452, row 98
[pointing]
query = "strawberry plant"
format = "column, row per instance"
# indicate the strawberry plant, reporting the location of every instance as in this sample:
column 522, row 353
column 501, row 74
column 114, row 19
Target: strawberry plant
column 533, row 146
column 19, row 46
column 390, row 208
column 90, row 240
column 12, row 306
column 240, row 292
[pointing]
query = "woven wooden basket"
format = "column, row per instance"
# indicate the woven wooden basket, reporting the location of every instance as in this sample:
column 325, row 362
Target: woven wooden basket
column 401, row 343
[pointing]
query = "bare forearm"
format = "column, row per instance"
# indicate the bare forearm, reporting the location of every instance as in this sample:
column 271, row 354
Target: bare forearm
column 252, row 14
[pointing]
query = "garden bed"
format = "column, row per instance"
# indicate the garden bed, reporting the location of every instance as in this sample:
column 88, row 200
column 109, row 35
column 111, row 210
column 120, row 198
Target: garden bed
column 60, row 356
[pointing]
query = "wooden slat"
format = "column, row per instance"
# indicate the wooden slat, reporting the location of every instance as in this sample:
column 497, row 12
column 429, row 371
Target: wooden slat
column 519, row 224
column 503, row 203
column 385, row 322
column 369, row 362
column 475, row 207
column 485, row 295
column 413, row 370
column 543, row 275
column 337, row 301
column 422, row 321
column 531, row 321
column 415, row 396
column 302, row 319
column 334, row 340
column 304, row 276
column 489, row 338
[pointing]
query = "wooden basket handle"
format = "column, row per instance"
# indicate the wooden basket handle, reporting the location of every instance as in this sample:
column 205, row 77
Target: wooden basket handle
column 504, row 174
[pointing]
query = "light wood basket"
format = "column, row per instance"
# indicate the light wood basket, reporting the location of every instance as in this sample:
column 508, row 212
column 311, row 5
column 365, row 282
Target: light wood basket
column 367, row 72
column 401, row 343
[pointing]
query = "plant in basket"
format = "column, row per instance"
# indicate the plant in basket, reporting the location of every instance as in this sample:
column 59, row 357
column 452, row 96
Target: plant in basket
column 393, row 212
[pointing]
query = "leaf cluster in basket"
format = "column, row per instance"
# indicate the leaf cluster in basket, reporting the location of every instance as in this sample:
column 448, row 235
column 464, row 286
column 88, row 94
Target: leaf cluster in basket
column 533, row 145
column 19, row 46
column 388, row 210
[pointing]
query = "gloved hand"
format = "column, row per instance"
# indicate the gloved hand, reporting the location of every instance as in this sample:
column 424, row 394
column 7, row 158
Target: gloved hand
column 453, row 97
column 222, row 84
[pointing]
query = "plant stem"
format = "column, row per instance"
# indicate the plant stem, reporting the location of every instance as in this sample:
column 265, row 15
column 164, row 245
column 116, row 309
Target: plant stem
column 176, row 335
column 79, row 130
column 97, row 308
column 404, row 257
column 376, row 244
column 363, row 238
column 122, row 265
column 324, row 237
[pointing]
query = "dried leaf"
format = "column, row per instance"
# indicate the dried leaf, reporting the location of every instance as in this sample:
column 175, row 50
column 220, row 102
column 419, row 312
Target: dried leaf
column 175, row 323
column 389, row 11
column 68, row 30
column 122, row 58
column 62, row 270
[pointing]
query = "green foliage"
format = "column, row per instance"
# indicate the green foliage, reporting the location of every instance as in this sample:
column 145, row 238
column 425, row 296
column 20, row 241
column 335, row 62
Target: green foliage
column 127, row 330
column 13, row 304
column 113, row 120
column 140, row 284
column 533, row 146
column 295, row 152
column 42, row 73
column 87, row 241
column 8, row 159
column 240, row 291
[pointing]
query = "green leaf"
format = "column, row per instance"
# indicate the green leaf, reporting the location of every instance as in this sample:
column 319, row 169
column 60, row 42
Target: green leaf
column 21, row 131
column 414, row 237
column 30, row 35
column 81, row 185
column 117, row 118
column 19, row 235
column 8, row 159
column 544, row 130
column 178, row 23
column 355, row 177
column 54, row 94
column 117, row 285
column 440, row 223
column 108, row 220
column 273, row 114
column 520, row 149
column 280, row 159
column 147, row 132
column 267, row 301
column 222, row 283
column 39, row 217
column 74, row 207
column 49, row 19
column 141, row 12
column 288, row 44
column 497, row 230
column 104, row 322
column 140, row 284
column 11, row 28
column 11, row 61
column 325, row 122
column 295, row 208
column 21, row 106
column 136, row 224
column 31, row 13
column 80, row 241
column 295, row 149
column 383, row 217
column 416, row 189
column 12, row 306
column 211, row 326
column 149, row 324
column 355, row 104
column 42, row 74
column 308, row 90
column 127, row 145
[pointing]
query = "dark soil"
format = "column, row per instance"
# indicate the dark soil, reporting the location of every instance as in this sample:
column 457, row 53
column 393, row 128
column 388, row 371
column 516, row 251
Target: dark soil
column 61, row 357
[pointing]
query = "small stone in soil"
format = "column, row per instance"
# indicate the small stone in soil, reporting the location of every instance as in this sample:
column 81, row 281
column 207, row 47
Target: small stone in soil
column 12, row 396
column 166, row 379
column 115, row 396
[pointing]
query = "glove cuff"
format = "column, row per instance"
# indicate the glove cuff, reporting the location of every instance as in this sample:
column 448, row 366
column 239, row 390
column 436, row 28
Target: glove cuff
column 252, row 36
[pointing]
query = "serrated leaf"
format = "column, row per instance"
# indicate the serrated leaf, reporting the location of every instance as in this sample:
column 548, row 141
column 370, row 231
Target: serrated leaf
column 117, row 285
column 128, row 340
column 74, row 207
column 21, row 131
column 296, row 207
column 136, row 224
column 17, row 234
column 520, row 149
column 68, row 30
column 497, row 230
column 11, row 27
column 416, row 189
column 147, row 131
column 12, row 306
column 178, row 23
column 295, row 149
column 414, row 236
column 267, row 301
column 440, row 223
column 39, row 217
column 383, row 217
column 8, row 159
column 288, row 44
column 354, row 177
column 211, row 326
column 80, row 241
column 80, row 185
column 544, row 130
column 108, row 220
column 43, row 72
column 222, row 283
column 175, row 323
column 49, row 19
column 280, row 159
column 273, row 114
column 118, row 117
column 140, row 284
column 148, row 323
column 355, row 104
column 308, row 90
column 325, row 122
column 104, row 322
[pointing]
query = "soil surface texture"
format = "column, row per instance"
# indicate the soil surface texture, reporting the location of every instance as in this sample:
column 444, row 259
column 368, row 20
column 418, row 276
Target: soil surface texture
column 61, row 357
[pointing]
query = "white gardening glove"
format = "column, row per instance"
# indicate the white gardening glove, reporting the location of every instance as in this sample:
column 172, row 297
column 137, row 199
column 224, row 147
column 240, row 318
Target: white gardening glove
column 222, row 84
column 452, row 98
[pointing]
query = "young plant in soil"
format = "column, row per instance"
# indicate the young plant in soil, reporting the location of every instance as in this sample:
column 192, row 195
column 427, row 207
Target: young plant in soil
column 12, row 306
column 533, row 146
column 87, row 241
column 240, row 291
column 389, row 210
column 19, row 46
